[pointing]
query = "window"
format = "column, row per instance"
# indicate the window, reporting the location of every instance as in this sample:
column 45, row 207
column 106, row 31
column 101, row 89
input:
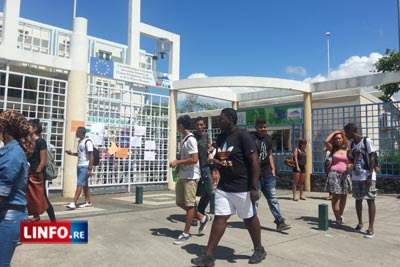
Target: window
column 105, row 55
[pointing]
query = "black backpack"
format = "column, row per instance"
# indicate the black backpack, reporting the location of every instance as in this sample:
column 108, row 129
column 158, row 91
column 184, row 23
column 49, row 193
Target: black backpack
column 96, row 154
column 377, row 167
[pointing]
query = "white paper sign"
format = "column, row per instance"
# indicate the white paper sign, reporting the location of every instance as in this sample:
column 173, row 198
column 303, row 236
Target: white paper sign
column 140, row 130
column 136, row 141
column 150, row 145
column 97, row 140
column 149, row 155
column 135, row 75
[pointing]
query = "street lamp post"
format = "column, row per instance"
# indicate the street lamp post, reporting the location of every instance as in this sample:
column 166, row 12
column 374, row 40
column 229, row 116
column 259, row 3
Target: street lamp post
column 398, row 21
column 329, row 59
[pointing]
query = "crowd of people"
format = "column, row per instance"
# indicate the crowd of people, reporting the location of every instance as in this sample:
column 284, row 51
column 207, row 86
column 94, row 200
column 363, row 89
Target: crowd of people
column 246, row 169
column 239, row 164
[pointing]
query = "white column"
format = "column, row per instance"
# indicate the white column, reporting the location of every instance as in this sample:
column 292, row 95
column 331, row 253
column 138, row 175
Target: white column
column 76, row 99
column 308, row 136
column 174, row 57
column 172, row 133
column 10, row 25
column 133, row 33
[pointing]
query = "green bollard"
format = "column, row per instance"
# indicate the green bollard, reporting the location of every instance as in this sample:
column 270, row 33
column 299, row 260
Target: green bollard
column 139, row 195
column 212, row 203
column 323, row 217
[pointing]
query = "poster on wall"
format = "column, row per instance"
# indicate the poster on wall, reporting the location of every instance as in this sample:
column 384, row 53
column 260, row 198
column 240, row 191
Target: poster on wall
column 150, row 145
column 149, row 155
column 136, row 141
column 140, row 130
column 276, row 115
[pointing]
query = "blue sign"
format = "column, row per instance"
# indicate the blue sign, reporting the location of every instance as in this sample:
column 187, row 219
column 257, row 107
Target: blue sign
column 101, row 67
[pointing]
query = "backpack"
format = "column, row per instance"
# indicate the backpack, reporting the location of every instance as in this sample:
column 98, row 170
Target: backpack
column 50, row 171
column 366, row 158
column 377, row 167
column 96, row 154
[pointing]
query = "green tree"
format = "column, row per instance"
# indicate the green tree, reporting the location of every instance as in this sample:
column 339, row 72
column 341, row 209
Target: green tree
column 389, row 62
column 192, row 103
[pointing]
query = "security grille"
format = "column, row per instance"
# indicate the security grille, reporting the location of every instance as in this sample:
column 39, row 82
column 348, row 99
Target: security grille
column 133, row 121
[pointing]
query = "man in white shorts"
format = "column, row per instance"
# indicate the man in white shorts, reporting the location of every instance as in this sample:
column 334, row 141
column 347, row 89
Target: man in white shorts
column 237, row 190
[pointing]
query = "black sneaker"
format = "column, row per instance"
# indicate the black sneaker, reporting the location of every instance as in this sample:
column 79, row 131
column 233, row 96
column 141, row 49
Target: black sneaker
column 204, row 261
column 194, row 222
column 282, row 226
column 258, row 256
column 203, row 225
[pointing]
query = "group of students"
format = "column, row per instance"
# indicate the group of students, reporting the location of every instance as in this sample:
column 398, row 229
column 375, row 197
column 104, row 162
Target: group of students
column 246, row 168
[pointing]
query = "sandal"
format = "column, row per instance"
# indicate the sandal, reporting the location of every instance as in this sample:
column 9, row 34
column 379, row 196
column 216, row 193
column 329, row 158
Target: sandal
column 295, row 199
column 303, row 198
column 359, row 227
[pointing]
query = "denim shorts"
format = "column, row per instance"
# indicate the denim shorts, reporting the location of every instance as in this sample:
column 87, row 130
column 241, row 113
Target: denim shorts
column 82, row 175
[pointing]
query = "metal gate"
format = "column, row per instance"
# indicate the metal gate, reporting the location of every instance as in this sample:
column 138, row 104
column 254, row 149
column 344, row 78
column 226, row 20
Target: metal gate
column 130, row 127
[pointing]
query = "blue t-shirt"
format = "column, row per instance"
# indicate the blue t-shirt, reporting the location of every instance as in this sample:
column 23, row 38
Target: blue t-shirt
column 13, row 174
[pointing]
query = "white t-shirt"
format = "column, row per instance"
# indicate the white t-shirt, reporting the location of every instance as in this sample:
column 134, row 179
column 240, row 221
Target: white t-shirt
column 83, row 155
column 359, row 173
column 189, row 147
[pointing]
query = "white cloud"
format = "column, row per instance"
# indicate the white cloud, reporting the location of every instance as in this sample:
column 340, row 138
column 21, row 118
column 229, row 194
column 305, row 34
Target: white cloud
column 353, row 66
column 197, row 75
column 296, row 70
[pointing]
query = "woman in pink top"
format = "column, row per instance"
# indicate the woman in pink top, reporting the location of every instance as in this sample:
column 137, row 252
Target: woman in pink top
column 339, row 180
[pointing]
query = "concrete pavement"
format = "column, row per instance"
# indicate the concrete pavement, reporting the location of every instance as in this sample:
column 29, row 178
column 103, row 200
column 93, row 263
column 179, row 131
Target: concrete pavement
column 122, row 233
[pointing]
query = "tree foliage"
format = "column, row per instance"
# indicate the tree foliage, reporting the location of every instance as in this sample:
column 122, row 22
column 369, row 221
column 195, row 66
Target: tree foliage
column 389, row 62
column 192, row 104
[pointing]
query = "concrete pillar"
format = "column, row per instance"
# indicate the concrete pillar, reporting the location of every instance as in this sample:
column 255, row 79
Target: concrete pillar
column 174, row 58
column 10, row 25
column 76, row 99
column 308, row 136
column 172, row 133
column 235, row 105
column 134, row 33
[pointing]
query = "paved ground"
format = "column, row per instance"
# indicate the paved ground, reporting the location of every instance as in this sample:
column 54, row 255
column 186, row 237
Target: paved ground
column 122, row 233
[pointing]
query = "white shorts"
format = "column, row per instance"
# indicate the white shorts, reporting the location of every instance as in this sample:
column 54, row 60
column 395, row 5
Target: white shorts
column 227, row 203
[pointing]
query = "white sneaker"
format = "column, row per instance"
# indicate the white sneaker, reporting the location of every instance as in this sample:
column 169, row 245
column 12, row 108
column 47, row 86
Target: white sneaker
column 85, row 205
column 71, row 206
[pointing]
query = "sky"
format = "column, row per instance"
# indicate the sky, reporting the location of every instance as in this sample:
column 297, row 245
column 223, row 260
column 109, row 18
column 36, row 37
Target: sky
column 279, row 39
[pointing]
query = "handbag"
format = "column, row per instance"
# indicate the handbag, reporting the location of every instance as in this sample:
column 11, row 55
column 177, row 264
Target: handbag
column 204, row 185
column 37, row 203
column 327, row 162
column 289, row 161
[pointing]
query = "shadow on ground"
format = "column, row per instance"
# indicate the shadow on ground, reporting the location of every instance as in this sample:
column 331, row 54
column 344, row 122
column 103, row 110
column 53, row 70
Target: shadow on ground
column 165, row 232
column 222, row 253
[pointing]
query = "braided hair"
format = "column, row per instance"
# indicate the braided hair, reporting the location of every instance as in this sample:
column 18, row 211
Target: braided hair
column 16, row 125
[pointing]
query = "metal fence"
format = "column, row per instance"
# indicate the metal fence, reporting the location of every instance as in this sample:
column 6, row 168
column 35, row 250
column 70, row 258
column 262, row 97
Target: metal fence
column 380, row 122
column 134, row 121
column 38, row 97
